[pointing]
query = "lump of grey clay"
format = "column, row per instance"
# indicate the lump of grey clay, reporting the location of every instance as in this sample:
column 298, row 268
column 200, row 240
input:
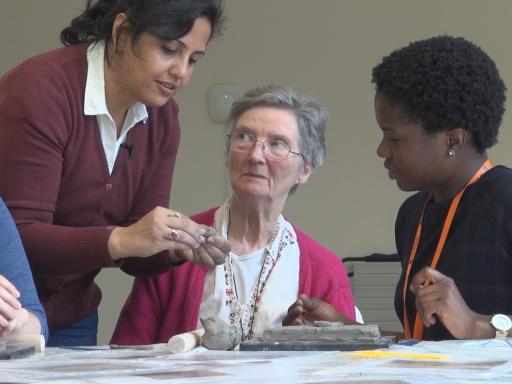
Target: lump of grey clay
column 209, row 233
column 322, row 331
column 219, row 335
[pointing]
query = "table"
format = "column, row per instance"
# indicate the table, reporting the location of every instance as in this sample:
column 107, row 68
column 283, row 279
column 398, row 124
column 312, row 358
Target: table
column 482, row 361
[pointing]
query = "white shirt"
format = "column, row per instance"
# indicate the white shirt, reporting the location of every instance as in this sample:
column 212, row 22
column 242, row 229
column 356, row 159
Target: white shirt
column 95, row 104
column 246, row 270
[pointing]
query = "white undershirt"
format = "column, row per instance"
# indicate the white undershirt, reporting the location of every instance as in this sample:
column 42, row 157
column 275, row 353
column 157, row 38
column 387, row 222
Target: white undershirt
column 95, row 105
column 246, row 270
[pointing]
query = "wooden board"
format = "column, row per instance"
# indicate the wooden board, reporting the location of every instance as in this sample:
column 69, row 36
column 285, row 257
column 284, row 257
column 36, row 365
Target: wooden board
column 318, row 345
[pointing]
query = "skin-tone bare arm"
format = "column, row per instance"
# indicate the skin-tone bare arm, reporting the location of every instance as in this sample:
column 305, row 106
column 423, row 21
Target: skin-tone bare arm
column 441, row 301
column 14, row 319
column 306, row 310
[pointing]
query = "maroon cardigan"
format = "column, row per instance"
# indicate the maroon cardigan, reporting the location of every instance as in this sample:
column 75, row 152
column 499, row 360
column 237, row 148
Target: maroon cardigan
column 162, row 306
column 55, row 179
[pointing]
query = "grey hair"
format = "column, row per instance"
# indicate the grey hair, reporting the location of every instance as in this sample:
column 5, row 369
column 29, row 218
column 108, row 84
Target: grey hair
column 310, row 113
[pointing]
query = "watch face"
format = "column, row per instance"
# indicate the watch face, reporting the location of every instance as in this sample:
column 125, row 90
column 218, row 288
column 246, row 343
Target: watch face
column 501, row 322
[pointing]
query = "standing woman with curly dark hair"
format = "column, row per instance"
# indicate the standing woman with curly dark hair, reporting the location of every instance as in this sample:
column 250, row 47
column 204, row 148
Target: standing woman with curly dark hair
column 439, row 103
column 88, row 144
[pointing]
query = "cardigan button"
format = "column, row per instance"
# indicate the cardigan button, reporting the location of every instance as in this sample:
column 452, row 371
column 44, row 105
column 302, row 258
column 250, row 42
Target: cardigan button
column 108, row 187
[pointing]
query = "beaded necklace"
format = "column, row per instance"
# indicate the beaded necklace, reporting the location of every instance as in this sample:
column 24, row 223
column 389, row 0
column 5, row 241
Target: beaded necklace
column 244, row 314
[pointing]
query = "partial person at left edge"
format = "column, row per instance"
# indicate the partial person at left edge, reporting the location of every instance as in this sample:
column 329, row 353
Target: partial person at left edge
column 88, row 144
column 21, row 312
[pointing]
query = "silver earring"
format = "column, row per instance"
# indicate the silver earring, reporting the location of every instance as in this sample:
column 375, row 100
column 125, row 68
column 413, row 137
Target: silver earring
column 451, row 152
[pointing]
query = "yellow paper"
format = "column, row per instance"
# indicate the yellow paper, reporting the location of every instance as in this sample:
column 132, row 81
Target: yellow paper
column 382, row 354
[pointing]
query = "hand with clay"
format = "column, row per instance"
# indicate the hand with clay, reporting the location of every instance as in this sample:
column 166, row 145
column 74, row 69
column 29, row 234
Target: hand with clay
column 163, row 229
column 441, row 300
column 306, row 310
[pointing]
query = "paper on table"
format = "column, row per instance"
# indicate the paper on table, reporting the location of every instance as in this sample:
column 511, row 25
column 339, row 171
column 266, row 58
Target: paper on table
column 375, row 354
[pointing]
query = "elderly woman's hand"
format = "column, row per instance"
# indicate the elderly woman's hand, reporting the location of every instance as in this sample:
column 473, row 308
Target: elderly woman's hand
column 441, row 300
column 210, row 253
column 12, row 315
column 306, row 310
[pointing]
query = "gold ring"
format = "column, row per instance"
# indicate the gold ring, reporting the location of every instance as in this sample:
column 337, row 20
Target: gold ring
column 173, row 235
column 174, row 214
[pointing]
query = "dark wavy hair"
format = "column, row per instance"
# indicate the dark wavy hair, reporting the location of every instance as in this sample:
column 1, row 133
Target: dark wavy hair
column 445, row 82
column 163, row 19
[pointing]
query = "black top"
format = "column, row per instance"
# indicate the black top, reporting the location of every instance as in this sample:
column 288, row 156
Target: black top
column 478, row 251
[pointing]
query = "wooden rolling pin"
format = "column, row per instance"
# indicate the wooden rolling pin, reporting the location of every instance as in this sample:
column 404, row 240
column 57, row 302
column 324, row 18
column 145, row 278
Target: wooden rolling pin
column 185, row 342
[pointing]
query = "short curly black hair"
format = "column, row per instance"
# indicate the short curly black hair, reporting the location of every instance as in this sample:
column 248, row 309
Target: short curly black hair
column 445, row 82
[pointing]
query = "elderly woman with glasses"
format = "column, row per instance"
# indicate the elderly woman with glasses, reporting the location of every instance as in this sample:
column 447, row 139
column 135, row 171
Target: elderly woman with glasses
column 275, row 143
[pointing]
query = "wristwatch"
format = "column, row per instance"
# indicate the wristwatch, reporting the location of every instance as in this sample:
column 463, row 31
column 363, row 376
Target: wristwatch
column 501, row 324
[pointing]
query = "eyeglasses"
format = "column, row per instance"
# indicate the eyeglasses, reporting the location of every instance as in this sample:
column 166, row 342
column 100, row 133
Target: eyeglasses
column 274, row 149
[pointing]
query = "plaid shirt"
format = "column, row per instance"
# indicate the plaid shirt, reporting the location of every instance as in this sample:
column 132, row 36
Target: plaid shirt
column 478, row 251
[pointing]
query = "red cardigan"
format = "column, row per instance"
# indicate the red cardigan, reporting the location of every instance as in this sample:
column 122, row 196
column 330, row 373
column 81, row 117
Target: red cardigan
column 163, row 306
column 56, row 183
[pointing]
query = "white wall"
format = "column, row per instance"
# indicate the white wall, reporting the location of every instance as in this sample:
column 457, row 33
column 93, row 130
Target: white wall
column 324, row 47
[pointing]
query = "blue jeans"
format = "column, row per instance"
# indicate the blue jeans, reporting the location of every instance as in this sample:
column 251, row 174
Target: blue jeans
column 81, row 333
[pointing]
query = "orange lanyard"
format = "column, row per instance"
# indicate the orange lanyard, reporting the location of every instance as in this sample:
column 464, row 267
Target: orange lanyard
column 418, row 324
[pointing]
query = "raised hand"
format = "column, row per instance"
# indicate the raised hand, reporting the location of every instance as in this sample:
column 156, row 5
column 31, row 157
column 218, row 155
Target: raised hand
column 166, row 230
column 438, row 298
column 210, row 253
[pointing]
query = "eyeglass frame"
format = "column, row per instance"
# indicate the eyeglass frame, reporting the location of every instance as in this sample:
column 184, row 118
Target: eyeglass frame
column 229, row 136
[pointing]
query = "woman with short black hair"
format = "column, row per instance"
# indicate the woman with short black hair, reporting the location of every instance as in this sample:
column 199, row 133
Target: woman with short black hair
column 439, row 103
